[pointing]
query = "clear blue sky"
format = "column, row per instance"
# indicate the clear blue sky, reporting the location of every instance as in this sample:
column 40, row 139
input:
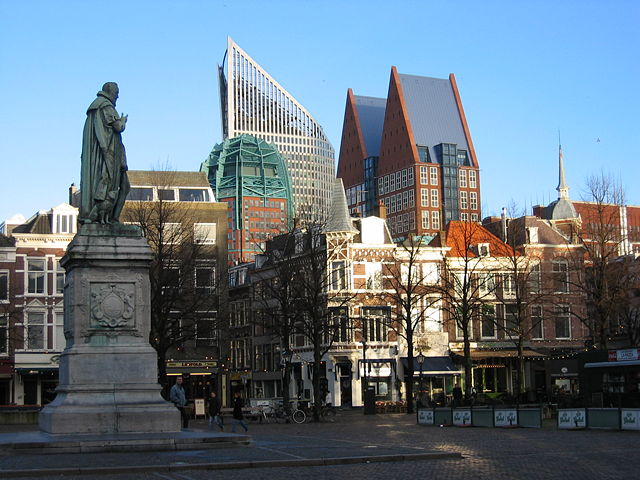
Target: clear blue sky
column 524, row 70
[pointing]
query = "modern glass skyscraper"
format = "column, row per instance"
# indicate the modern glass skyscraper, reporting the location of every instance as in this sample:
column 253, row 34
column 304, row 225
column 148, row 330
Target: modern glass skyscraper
column 253, row 102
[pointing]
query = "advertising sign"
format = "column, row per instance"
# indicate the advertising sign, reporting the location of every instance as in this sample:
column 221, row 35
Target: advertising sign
column 462, row 417
column 630, row 419
column 425, row 417
column 505, row 418
column 624, row 355
column 199, row 402
column 572, row 418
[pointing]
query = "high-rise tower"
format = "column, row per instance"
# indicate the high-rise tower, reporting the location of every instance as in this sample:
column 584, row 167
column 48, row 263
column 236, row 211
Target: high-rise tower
column 413, row 152
column 253, row 102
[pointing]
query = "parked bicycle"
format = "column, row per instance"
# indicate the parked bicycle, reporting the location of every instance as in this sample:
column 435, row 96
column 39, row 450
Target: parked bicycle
column 290, row 414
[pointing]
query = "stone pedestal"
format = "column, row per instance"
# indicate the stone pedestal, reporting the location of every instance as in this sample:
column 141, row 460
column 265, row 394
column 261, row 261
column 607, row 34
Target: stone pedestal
column 108, row 370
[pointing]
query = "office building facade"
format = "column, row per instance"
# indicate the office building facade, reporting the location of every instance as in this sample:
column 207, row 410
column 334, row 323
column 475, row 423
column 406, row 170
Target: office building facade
column 253, row 102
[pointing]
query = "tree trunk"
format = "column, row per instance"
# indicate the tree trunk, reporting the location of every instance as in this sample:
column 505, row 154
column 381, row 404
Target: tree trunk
column 520, row 371
column 317, row 395
column 408, row 378
column 468, row 365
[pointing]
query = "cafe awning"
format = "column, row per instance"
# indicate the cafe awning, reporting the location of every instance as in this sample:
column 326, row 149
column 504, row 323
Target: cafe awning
column 504, row 354
column 432, row 366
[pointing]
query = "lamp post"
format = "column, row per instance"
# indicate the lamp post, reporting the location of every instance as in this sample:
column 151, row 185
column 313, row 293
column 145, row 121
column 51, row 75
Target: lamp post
column 420, row 359
column 287, row 355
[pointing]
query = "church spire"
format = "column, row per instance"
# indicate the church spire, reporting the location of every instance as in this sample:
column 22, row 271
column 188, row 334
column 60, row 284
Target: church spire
column 563, row 189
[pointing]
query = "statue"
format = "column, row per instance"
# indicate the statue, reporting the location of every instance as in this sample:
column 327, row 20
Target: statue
column 103, row 179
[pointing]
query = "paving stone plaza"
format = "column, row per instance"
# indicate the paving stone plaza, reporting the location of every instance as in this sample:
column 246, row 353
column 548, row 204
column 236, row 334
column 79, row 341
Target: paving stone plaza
column 408, row 451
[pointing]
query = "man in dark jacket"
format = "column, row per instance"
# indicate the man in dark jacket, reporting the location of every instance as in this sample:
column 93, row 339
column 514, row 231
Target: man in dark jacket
column 237, row 413
column 214, row 412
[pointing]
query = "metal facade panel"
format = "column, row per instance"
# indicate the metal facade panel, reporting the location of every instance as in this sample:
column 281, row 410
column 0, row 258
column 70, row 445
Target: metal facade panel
column 371, row 112
column 433, row 112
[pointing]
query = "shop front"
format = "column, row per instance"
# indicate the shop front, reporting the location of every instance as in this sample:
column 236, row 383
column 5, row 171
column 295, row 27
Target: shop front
column 35, row 378
column 200, row 377
column 378, row 374
column 6, row 376
column 433, row 381
column 614, row 382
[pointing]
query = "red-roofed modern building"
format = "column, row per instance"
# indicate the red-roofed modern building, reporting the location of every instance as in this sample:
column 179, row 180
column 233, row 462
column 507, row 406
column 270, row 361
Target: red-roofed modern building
column 413, row 152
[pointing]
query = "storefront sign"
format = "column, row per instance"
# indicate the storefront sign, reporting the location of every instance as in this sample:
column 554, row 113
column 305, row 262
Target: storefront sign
column 630, row 419
column 624, row 355
column 505, row 418
column 575, row 418
column 199, row 402
column 192, row 364
column 425, row 417
column 462, row 418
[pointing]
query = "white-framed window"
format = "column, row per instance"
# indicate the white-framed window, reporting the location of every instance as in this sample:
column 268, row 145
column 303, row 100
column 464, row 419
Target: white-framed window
column 563, row 321
column 511, row 325
column 59, row 278
column 206, row 332
column 473, row 200
column 472, row 179
column 412, row 199
column 405, row 200
column 430, row 273
column 58, row 321
column 205, row 279
column 463, row 178
column 433, row 174
column 4, row 334
column 380, row 186
column 533, row 280
column 464, row 217
column 560, row 274
column 488, row 321
column 424, row 175
column 338, row 276
column 425, row 220
column 412, row 220
column 373, row 271
column 460, row 332
column 435, row 202
column 404, row 178
column 205, row 233
column 464, row 200
column 536, row 322
column 36, row 275
column 424, row 197
column 392, row 182
column 392, row 204
column 410, row 176
column 435, row 220
column 508, row 285
column 375, row 322
column 386, row 184
column 398, row 180
column 4, row 286
column 486, row 283
column 34, row 330
column 474, row 217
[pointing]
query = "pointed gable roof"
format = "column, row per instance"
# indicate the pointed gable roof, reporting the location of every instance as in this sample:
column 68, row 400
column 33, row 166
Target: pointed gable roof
column 371, row 116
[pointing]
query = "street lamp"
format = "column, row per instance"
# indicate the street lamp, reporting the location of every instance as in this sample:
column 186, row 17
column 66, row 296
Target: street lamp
column 420, row 359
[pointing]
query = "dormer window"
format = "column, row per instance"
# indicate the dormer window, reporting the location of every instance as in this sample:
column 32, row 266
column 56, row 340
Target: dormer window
column 483, row 249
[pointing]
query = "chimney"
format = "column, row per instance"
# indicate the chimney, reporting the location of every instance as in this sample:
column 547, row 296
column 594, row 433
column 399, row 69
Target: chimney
column 73, row 191
column 503, row 224
column 382, row 210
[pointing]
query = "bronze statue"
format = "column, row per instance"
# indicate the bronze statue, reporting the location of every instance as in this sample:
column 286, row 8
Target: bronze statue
column 103, row 179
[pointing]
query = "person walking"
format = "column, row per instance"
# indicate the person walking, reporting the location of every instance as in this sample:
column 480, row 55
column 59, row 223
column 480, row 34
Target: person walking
column 179, row 399
column 214, row 412
column 237, row 413
column 457, row 395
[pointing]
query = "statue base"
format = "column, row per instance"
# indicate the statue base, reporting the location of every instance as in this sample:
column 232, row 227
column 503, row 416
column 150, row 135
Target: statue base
column 108, row 371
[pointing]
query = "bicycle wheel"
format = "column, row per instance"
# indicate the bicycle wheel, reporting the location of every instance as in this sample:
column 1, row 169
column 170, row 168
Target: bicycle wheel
column 298, row 416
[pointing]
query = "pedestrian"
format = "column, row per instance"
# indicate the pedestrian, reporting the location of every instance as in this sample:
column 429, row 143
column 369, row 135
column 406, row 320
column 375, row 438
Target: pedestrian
column 179, row 399
column 237, row 413
column 457, row 395
column 214, row 412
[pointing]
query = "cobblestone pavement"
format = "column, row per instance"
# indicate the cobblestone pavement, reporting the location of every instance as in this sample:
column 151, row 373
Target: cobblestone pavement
column 486, row 453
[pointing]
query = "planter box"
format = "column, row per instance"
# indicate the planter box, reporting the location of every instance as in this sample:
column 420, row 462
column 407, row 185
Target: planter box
column 530, row 417
column 443, row 416
column 572, row 418
column 630, row 418
column 482, row 417
column 426, row 416
column 603, row 418
column 462, row 417
column 505, row 417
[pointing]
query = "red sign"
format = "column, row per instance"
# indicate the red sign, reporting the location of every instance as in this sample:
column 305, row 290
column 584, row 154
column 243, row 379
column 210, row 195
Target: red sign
column 624, row 355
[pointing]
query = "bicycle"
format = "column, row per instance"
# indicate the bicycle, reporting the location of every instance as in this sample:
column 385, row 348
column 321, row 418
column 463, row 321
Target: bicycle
column 289, row 415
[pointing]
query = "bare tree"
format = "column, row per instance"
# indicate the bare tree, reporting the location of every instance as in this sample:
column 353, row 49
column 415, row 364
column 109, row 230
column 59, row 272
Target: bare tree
column 410, row 288
column 186, row 280
column 602, row 242
column 468, row 281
